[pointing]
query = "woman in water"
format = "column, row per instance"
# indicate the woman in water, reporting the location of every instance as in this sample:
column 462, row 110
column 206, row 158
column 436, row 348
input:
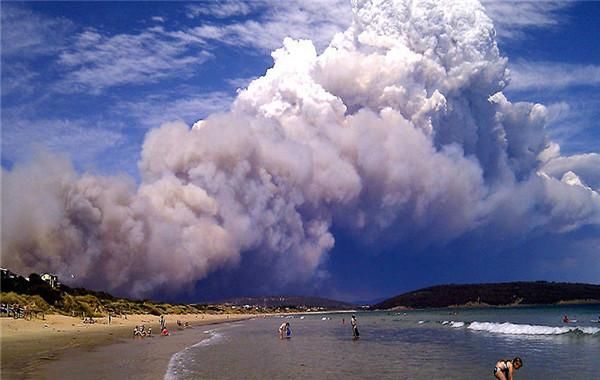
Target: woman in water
column 354, row 324
column 504, row 369
column 286, row 330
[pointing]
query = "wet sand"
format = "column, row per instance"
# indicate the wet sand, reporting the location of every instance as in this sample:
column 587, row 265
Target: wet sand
column 62, row 347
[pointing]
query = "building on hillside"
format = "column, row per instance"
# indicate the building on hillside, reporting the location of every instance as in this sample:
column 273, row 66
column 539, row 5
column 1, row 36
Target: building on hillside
column 51, row 279
column 7, row 274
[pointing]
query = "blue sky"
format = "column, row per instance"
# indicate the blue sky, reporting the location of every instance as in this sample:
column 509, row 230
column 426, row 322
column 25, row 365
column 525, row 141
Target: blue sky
column 90, row 80
column 147, row 64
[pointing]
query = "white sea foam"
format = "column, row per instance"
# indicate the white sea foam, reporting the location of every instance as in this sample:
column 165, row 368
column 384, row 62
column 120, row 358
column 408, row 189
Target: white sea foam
column 215, row 337
column 176, row 361
column 455, row 324
column 524, row 329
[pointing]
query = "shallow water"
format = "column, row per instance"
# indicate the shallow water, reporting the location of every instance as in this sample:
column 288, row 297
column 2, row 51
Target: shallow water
column 431, row 344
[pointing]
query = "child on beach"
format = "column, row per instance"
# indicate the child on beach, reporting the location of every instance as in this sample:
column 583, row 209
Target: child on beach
column 504, row 369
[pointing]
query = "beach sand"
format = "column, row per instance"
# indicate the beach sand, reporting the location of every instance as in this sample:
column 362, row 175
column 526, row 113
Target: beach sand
column 62, row 347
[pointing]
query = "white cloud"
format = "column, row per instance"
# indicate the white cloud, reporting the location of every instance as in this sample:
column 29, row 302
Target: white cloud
column 95, row 61
column 570, row 90
column 513, row 18
column 26, row 34
column 80, row 140
column 222, row 9
column 18, row 80
column 585, row 166
column 239, row 83
column 153, row 111
column 527, row 76
column 315, row 20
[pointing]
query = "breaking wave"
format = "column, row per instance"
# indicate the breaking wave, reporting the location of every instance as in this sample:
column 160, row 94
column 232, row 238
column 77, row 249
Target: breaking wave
column 454, row 324
column 525, row 329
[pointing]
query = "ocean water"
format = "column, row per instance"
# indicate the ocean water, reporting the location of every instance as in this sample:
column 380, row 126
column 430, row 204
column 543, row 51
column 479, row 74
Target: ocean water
column 432, row 344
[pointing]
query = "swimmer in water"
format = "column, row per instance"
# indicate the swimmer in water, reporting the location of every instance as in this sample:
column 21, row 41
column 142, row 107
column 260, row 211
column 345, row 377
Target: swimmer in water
column 504, row 369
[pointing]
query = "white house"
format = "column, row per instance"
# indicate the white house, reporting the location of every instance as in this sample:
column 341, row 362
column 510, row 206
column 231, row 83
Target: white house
column 50, row 279
column 7, row 274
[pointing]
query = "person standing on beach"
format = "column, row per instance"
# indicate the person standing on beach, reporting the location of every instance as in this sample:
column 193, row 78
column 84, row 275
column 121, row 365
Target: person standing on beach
column 504, row 369
column 354, row 323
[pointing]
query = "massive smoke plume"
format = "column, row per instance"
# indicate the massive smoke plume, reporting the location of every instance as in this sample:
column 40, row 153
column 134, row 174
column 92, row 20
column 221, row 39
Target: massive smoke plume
column 398, row 130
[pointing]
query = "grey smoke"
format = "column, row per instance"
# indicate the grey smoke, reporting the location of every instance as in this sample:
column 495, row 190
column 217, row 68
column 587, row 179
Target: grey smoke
column 398, row 130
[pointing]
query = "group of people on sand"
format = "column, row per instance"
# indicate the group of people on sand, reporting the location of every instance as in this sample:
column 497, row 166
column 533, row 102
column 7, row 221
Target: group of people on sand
column 504, row 369
column 89, row 320
column 141, row 331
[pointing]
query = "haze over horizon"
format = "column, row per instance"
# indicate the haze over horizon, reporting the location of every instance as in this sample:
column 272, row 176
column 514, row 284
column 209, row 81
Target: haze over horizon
column 348, row 150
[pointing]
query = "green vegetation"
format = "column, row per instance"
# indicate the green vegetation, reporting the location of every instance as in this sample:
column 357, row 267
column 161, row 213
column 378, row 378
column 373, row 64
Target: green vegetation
column 34, row 303
column 39, row 297
column 501, row 294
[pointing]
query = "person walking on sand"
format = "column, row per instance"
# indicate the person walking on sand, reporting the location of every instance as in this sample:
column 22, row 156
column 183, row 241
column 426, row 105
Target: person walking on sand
column 504, row 369
column 354, row 323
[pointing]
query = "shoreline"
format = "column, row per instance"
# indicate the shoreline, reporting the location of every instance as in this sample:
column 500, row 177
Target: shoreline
column 59, row 346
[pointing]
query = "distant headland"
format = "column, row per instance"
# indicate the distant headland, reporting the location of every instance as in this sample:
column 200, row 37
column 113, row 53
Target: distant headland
column 496, row 294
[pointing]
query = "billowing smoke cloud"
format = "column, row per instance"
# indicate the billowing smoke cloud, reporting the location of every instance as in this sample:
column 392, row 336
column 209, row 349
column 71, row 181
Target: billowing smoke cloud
column 398, row 130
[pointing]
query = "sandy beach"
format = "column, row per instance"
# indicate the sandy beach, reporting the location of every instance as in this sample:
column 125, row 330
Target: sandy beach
column 65, row 347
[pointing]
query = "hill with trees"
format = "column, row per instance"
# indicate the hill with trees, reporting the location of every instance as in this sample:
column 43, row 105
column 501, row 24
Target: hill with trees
column 499, row 294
